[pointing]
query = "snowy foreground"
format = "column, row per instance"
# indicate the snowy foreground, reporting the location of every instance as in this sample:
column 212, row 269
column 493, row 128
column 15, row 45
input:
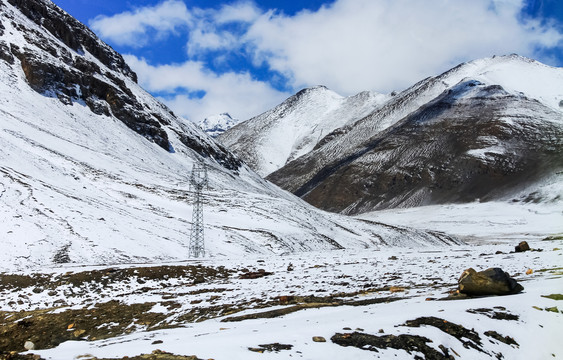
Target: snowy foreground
column 226, row 307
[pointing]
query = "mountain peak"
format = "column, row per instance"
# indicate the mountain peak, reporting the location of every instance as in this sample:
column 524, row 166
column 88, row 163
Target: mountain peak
column 272, row 139
column 215, row 125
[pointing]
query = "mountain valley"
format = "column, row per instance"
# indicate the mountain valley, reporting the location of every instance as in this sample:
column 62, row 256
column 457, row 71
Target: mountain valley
column 410, row 190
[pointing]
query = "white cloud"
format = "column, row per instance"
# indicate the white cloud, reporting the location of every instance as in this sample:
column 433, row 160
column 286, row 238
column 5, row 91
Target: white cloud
column 353, row 45
column 204, row 38
column 131, row 28
column 236, row 93
column 239, row 12
column 349, row 46
column 207, row 35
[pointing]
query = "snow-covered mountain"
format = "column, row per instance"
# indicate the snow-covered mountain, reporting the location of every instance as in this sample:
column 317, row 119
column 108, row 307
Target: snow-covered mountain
column 95, row 170
column 270, row 140
column 487, row 129
column 217, row 124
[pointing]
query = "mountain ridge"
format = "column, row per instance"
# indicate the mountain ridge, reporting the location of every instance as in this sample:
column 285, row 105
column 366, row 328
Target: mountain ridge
column 272, row 139
column 100, row 175
column 338, row 151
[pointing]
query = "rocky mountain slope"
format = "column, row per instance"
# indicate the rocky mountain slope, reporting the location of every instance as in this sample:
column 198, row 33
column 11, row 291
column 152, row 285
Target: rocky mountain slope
column 483, row 130
column 95, row 170
column 270, row 140
column 217, row 124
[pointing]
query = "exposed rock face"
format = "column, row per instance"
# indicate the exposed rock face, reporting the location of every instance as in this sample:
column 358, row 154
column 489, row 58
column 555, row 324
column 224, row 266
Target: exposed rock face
column 72, row 33
column 493, row 281
column 63, row 58
column 474, row 141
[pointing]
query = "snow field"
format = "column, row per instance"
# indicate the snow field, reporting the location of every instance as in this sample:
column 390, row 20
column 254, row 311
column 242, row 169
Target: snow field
column 422, row 275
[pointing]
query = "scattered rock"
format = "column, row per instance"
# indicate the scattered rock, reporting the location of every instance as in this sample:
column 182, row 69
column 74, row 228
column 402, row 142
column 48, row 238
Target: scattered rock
column 497, row 315
column 392, row 258
column 13, row 355
column 493, row 281
column 319, row 339
column 553, row 237
column 255, row 274
column 409, row 343
column 504, row 339
column 28, row 345
column 156, row 342
column 275, row 347
column 469, row 338
column 155, row 355
column 523, row 246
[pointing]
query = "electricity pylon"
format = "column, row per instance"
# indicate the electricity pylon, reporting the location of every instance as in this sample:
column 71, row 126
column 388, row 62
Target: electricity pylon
column 198, row 181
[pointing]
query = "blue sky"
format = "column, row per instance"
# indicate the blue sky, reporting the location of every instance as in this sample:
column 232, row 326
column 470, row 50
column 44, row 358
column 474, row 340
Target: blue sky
column 204, row 57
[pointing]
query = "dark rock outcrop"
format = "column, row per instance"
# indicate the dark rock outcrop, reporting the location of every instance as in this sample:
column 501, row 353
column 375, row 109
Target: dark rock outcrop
column 407, row 342
column 62, row 58
column 493, row 281
column 72, row 33
column 104, row 93
column 5, row 53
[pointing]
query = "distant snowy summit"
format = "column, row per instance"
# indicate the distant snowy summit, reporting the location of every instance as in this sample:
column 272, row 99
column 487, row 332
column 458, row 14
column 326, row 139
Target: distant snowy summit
column 217, row 124
column 269, row 141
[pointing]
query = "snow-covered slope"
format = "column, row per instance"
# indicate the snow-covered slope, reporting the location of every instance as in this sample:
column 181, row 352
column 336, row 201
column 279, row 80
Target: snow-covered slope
column 95, row 170
column 270, row 140
column 217, row 124
column 483, row 130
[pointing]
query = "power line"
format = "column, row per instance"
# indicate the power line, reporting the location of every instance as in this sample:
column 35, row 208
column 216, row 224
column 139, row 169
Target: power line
column 198, row 181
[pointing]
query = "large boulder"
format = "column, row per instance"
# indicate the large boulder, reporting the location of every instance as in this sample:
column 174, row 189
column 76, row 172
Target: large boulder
column 522, row 246
column 493, row 281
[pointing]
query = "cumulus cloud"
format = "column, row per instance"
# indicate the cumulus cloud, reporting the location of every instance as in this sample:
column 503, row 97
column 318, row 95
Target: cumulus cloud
column 238, row 12
column 348, row 45
column 236, row 93
column 132, row 27
column 389, row 44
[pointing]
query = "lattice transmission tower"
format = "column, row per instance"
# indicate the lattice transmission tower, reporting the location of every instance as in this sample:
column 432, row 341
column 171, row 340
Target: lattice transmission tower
column 198, row 182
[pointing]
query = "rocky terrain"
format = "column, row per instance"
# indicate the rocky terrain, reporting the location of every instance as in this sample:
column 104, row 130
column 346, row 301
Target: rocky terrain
column 360, row 304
